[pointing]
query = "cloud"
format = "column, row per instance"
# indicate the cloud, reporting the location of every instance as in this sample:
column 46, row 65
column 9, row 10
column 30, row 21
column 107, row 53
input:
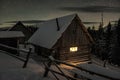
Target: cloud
column 92, row 9
column 114, row 21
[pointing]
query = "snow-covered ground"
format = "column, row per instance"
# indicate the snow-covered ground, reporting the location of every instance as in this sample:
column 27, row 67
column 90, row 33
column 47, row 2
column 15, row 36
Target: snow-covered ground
column 108, row 65
column 101, row 70
column 108, row 71
column 11, row 69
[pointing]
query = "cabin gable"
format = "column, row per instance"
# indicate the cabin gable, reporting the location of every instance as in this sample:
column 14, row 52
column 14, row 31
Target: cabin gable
column 65, row 38
column 74, row 36
column 20, row 27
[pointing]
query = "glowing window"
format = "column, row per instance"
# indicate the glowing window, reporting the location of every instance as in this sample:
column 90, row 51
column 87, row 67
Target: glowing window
column 73, row 49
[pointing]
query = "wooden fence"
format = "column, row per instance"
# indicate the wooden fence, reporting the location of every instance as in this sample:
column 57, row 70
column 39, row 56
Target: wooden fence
column 55, row 62
column 17, row 57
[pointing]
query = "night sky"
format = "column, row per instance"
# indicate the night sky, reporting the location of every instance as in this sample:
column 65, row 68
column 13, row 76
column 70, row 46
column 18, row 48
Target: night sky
column 88, row 10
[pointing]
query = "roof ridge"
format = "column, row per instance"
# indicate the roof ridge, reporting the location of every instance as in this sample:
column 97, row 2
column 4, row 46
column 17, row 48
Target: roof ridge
column 59, row 17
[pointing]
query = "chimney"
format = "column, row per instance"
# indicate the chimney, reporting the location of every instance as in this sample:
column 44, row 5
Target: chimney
column 58, row 27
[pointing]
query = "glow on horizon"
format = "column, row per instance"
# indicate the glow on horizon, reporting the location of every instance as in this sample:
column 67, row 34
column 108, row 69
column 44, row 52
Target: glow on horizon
column 46, row 9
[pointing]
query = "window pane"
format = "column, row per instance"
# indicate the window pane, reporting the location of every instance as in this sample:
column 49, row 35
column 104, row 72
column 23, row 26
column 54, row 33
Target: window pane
column 73, row 49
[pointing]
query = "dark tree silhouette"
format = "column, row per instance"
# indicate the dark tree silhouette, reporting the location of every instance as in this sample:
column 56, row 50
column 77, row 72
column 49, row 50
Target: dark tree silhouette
column 107, row 51
column 108, row 37
column 89, row 30
column 100, row 31
column 116, row 49
column 118, row 33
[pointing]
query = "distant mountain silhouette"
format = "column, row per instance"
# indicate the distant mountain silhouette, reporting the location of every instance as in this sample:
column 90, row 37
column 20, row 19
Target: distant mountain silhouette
column 38, row 21
column 27, row 21
column 4, row 28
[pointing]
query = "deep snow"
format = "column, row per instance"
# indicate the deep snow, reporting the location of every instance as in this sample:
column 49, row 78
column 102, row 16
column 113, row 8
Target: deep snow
column 11, row 69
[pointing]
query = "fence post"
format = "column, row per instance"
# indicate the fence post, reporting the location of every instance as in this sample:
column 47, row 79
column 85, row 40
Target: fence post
column 75, row 76
column 27, row 58
column 46, row 69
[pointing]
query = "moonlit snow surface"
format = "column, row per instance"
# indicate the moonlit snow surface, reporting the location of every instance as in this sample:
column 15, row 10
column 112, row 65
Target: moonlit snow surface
column 11, row 69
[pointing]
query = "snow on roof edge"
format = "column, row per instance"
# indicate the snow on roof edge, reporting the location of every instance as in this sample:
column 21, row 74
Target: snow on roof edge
column 10, row 34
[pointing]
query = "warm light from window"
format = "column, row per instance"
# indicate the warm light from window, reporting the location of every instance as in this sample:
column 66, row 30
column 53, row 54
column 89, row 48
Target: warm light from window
column 73, row 49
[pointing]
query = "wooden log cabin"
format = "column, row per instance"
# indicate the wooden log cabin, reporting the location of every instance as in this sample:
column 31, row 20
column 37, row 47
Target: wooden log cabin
column 65, row 36
column 19, row 26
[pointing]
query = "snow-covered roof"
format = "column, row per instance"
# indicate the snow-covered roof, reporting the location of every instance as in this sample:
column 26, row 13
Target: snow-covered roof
column 47, row 34
column 11, row 34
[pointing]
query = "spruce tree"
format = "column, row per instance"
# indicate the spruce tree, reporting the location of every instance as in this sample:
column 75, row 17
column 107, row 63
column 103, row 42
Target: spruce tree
column 118, row 33
column 100, row 31
column 116, row 49
column 108, row 35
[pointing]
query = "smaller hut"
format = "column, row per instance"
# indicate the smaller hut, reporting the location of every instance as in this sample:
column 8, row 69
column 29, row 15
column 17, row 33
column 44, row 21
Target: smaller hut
column 20, row 27
column 10, row 38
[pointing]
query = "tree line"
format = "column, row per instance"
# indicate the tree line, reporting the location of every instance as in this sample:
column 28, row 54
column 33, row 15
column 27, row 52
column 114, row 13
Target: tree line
column 107, row 42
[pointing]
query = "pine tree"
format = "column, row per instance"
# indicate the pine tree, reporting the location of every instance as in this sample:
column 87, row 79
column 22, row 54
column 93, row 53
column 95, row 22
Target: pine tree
column 100, row 31
column 89, row 30
column 116, row 49
column 108, row 35
column 92, row 32
column 118, row 33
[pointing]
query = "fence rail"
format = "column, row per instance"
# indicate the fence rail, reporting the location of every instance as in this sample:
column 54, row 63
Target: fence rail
column 79, row 68
column 52, row 60
column 17, row 57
